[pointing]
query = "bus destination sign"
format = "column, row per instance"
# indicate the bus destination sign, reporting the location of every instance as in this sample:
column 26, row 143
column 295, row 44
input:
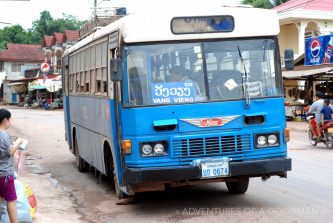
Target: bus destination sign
column 209, row 24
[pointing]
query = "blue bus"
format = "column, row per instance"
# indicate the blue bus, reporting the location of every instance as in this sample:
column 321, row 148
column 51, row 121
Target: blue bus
column 178, row 98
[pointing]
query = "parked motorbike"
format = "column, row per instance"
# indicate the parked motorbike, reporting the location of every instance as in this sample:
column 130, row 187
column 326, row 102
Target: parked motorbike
column 327, row 133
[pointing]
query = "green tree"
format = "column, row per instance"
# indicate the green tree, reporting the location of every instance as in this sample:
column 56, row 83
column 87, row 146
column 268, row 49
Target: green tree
column 267, row 4
column 279, row 2
column 45, row 25
column 41, row 25
column 13, row 34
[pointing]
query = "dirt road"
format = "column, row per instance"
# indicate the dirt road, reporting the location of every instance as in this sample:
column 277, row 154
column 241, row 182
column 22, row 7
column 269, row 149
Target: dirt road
column 65, row 195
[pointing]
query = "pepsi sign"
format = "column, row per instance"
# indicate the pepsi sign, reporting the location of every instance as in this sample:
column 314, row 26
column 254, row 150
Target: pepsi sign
column 318, row 50
column 315, row 47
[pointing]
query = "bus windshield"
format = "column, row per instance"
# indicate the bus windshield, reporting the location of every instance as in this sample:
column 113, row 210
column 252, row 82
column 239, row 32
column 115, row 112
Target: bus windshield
column 179, row 73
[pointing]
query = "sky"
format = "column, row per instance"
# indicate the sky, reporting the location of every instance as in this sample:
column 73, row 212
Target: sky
column 25, row 12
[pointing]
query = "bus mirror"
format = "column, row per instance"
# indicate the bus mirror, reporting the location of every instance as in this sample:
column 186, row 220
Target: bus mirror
column 289, row 59
column 116, row 69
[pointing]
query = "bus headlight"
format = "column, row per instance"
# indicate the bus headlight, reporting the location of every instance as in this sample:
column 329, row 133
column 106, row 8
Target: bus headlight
column 267, row 140
column 147, row 149
column 261, row 140
column 272, row 139
column 152, row 149
column 159, row 149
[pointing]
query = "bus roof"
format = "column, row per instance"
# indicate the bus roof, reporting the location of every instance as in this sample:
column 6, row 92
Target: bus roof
column 156, row 26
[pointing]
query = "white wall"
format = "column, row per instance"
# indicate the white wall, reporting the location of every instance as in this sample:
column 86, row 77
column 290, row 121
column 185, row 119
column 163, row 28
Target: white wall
column 8, row 91
column 292, row 34
column 288, row 38
column 7, row 95
column 20, row 74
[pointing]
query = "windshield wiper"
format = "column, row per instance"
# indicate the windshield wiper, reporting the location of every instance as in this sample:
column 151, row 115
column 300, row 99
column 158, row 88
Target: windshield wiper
column 245, row 81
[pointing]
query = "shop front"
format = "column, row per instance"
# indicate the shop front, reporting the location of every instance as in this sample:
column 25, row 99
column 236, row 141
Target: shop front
column 302, row 84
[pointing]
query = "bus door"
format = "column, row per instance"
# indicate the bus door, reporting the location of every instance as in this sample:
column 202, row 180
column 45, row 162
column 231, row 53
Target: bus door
column 114, row 89
column 65, row 84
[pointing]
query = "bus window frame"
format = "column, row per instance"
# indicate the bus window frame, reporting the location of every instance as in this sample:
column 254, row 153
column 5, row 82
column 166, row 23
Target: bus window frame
column 92, row 69
column 278, row 80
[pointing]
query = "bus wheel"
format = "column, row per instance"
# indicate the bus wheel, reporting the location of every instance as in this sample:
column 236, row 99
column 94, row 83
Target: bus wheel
column 239, row 187
column 81, row 165
column 112, row 175
column 120, row 194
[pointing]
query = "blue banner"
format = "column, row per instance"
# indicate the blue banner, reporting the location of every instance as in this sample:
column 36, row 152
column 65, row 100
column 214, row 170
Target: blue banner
column 318, row 50
column 173, row 92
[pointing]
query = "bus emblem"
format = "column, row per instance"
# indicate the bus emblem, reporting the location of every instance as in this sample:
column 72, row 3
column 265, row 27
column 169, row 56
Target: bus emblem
column 210, row 122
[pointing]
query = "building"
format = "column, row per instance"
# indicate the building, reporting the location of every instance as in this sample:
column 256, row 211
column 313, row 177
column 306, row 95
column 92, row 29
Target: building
column 300, row 19
column 14, row 62
column 54, row 46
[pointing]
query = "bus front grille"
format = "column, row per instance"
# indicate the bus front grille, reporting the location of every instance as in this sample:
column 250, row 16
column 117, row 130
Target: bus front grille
column 211, row 146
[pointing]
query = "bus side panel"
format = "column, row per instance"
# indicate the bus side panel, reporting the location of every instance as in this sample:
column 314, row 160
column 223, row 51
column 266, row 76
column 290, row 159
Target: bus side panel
column 91, row 127
column 94, row 121
column 90, row 143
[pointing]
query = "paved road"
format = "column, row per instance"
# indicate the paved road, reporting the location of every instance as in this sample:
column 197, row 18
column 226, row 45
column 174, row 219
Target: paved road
column 64, row 195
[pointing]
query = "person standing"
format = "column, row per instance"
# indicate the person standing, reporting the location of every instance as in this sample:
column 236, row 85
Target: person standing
column 7, row 151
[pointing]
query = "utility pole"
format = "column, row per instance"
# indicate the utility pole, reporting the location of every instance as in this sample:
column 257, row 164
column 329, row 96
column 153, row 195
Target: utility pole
column 95, row 7
column 96, row 3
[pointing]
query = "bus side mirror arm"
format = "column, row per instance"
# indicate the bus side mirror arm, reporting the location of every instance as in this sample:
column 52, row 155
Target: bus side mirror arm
column 116, row 69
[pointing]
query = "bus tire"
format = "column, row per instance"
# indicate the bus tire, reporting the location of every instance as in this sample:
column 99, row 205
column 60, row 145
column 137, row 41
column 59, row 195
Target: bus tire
column 239, row 187
column 111, row 172
column 81, row 165
column 120, row 194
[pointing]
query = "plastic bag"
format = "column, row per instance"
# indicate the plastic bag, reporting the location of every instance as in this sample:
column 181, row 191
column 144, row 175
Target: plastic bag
column 31, row 199
column 22, row 205
column 20, row 163
column 20, row 159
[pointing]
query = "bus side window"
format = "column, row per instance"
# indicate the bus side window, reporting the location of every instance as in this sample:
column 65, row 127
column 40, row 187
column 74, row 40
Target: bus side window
column 70, row 74
column 98, row 80
column 77, row 83
column 82, row 74
column 87, row 85
column 92, row 69
column 104, row 83
column 104, row 66
column 93, row 82
column 87, row 70
column 99, row 64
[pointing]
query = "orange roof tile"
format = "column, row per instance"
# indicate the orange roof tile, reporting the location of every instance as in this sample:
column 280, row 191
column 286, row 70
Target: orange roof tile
column 320, row 5
column 72, row 35
column 22, row 53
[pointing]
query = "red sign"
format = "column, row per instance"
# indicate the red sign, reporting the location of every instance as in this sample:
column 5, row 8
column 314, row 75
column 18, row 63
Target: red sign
column 211, row 122
column 45, row 67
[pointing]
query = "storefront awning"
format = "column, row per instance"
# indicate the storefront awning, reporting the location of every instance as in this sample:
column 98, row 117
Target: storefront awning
column 19, row 87
column 36, row 87
column 51, row 85
column 304, row 74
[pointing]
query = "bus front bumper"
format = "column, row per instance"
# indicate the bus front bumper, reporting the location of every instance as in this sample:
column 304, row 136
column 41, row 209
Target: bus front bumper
column 253, row 168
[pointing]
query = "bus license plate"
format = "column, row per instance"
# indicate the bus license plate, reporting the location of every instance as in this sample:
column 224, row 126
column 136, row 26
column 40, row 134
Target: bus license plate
column 215, row 169
column 330, row 130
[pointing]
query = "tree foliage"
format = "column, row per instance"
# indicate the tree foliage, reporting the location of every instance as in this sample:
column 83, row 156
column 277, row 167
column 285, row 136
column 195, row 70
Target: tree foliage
column 266, row 4
column 45, row 25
